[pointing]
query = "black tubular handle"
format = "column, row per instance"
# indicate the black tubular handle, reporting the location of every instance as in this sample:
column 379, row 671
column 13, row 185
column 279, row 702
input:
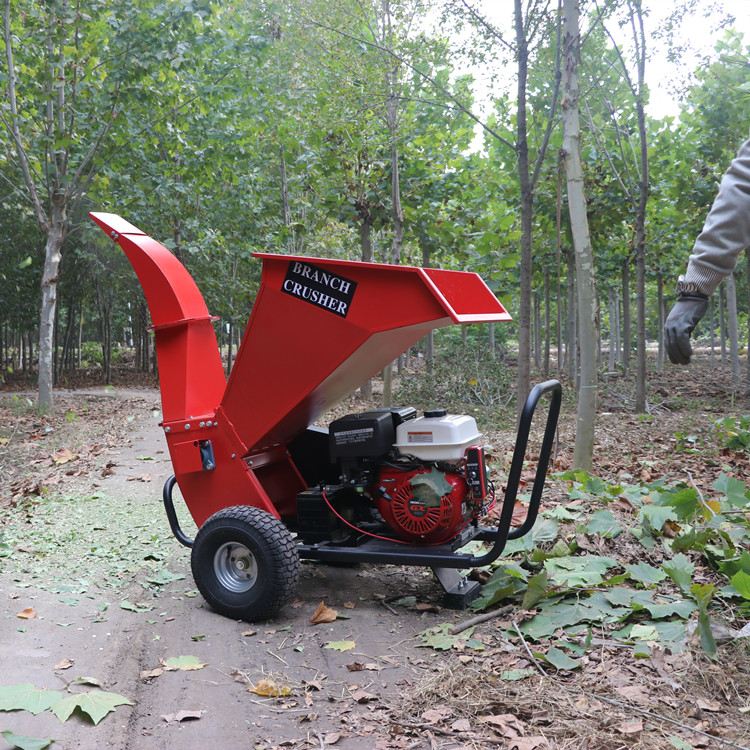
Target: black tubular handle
column 174, row 524
column 504, row 533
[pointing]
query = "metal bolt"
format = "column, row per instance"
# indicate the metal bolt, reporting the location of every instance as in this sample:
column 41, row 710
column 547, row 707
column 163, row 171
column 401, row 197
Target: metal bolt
column 187, row 426
column 167, row 429
column 202, row 424
column 234, row 455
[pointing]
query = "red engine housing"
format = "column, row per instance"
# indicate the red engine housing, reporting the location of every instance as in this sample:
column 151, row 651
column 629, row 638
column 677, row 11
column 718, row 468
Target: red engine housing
column 414, row 520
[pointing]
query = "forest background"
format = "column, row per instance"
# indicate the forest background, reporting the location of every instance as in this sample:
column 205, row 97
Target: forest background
column 352, row 130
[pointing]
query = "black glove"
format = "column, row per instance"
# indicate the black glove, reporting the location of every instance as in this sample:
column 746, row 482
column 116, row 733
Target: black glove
column 682, row 319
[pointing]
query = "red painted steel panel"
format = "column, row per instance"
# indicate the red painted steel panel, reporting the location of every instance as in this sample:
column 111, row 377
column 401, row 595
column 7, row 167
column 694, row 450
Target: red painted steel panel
column 319, row 329
column 314, row 354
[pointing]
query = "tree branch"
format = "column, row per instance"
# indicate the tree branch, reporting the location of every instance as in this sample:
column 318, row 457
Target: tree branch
column 13, row 129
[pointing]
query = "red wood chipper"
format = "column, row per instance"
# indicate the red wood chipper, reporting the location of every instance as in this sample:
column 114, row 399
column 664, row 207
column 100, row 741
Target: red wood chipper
column 265, row 486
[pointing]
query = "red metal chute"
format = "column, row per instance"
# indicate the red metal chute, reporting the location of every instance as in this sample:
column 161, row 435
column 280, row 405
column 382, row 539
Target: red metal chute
column 318, row 330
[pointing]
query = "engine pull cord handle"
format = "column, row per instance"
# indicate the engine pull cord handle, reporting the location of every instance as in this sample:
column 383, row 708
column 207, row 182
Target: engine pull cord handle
column 524, row 426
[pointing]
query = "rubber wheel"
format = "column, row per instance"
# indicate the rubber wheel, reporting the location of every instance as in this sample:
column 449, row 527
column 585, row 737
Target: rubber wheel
column 245, row 563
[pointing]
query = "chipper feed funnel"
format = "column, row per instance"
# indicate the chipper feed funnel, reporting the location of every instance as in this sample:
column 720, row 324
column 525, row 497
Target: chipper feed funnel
column 319, row 328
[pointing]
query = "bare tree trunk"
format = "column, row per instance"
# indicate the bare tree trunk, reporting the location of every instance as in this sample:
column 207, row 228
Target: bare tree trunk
column 626, row 333
column 734, row 348
column 230, row 353
column 365, row 239
column 722, row 326
column 747, row 375
column 712, row 323
column 537, row 331
column 558, row 243
column 527, row 212
column 639, row 40
column 660, row 300
column 547, row 322
column 584, row 443
column 286, row 212
column 48, row 307
column 571, row 352
column 612, row 329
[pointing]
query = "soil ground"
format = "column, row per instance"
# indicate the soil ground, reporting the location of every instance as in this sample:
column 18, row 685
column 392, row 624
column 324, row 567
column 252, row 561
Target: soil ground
column 105, row 597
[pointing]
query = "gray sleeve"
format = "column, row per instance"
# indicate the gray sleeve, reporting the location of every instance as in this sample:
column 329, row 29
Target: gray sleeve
column 726, row 232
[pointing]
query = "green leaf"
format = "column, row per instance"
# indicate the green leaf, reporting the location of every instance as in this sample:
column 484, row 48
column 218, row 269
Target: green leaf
column 184, row 663
column 25, row 743
column 500, row 585
column 644, row 632
column 645, row 573
column 553, row 618
column 341, row 645
column 27, row 698
column 734, row 490
column 537, row 589
column 430, row 487
column 741, row 581
column 680, row 570
column 140, row 608
column 703, row 594
column 162, row 578
column 653, row 517
column 679, row 743
column 587, row 570
column 97, row 704
column 603, row 523
column 682, row 608
column 512, row 675
column 559, row 659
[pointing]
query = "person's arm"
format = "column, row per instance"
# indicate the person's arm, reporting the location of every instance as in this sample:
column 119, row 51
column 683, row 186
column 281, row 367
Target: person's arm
column 725, row 234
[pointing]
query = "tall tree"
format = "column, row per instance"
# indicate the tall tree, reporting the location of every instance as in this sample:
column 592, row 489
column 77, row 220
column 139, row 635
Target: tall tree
column 69, row 74
column 584, row 443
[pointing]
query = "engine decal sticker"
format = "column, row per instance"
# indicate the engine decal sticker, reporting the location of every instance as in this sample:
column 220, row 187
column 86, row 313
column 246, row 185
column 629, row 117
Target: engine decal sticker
column 348, row 437
column 319, row 287
column 419, row 437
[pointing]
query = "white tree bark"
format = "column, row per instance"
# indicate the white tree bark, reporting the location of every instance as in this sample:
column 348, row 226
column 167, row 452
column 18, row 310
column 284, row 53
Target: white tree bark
column 586, row 291
column 734, row 339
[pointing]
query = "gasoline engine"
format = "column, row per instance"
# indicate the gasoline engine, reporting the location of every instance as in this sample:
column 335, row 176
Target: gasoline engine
column 423, row 479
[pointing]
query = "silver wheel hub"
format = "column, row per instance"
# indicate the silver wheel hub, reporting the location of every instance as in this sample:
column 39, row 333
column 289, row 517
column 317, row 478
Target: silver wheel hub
column 235, row 567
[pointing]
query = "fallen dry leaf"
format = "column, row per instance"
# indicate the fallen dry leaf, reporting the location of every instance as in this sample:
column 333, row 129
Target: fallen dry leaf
column 64, row 664
column 63, row 456
column 358, row 666
column 630, row 727
column 323, row 614
column 529, row 743
column 269, row 688
column 506, row 724
column 362, row 696
column 182, row 716
column 27, row 614
column 705, row 705
column 151, row 674
column 437, row 714
column 461, row 725
column 636, row 693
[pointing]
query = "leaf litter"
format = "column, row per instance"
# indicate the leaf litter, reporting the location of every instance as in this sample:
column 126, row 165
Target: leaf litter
column 630, row 648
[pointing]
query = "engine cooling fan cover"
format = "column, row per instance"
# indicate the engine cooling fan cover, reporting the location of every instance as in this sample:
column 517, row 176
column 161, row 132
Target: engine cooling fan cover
column 418, row 514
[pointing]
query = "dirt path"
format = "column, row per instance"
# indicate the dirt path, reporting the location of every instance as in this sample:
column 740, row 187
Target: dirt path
column 112, row 596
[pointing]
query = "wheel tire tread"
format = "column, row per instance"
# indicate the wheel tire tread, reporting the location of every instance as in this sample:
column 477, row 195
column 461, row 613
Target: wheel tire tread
column 281, row 547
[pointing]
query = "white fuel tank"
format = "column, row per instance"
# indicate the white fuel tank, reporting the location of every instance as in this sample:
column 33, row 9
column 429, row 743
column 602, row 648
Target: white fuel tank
column 437, row 436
